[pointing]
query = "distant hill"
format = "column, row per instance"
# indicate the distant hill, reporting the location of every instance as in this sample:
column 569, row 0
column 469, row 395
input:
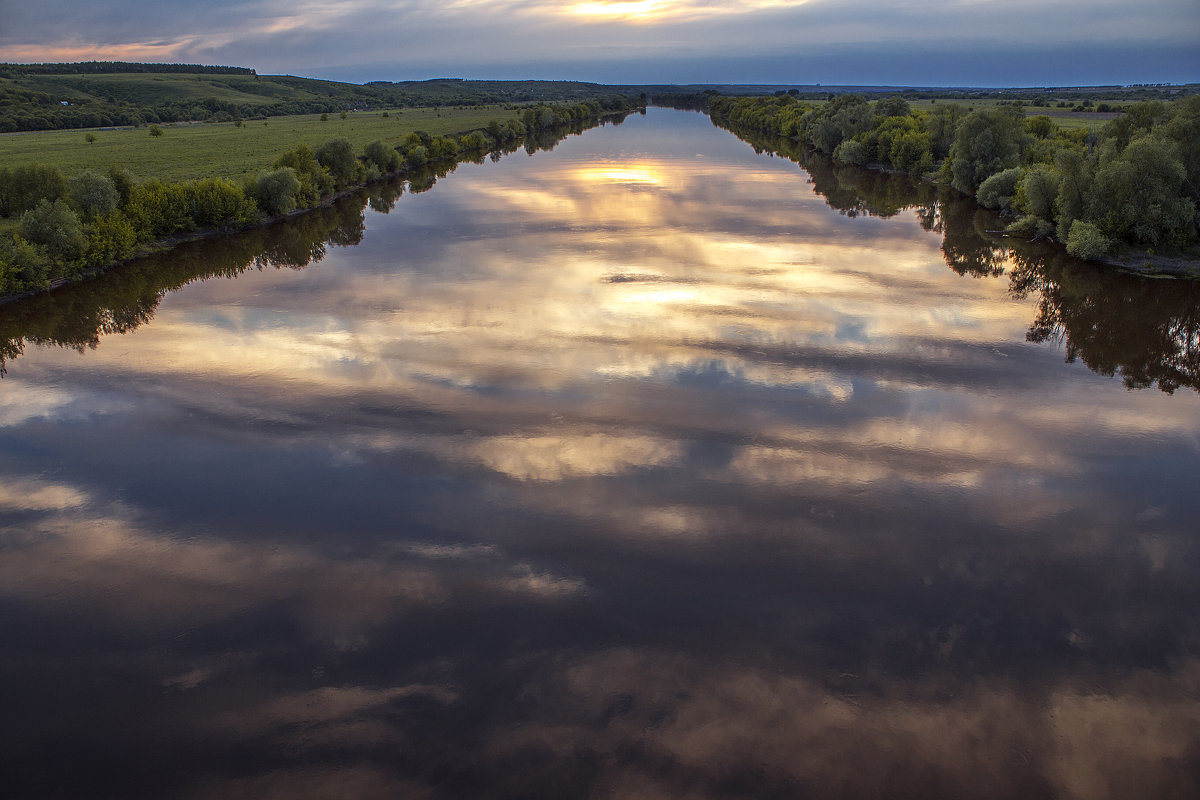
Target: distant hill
column 97, row 94
column 102, row 94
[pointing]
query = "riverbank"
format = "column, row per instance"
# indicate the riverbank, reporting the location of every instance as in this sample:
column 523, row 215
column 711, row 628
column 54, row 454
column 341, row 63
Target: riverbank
column 1125, row 208
column 71, row 230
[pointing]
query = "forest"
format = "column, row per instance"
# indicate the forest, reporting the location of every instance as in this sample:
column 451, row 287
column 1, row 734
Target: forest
column 1130, row 187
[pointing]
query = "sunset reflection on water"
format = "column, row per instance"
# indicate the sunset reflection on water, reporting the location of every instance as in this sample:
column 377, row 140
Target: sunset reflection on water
column 630, row 469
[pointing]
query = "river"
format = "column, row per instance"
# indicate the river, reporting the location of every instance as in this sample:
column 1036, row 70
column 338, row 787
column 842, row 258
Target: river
column 651, row 465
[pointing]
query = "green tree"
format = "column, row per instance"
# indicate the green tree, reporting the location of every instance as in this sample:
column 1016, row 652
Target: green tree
column 1075, row 176
column 1037, row 191
column 998, row 190
column 1040, row 126
column 850, row 151
column 385, row 158
column 1086, row 241
column 22, row 188
column 1139, row 195
column 987, row 141
column 220, row 203
column 93, row 194
column 276, row 191
column 337, row 156
column 57, row 227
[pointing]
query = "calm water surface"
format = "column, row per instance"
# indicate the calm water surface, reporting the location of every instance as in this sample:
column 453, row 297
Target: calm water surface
column 636, row 468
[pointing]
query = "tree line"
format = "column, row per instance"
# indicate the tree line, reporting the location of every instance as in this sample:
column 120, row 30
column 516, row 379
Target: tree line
column 115, row 68
column 1135, row 184
column 71, row 225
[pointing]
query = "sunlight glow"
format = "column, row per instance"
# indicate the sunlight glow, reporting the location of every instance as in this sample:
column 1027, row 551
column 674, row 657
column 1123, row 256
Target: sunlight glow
column 653, row 10
column 629, row 9
column 636, row 174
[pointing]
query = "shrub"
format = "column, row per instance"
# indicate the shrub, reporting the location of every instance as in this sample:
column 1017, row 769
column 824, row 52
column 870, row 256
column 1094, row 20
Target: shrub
column 1037, row 191
column 220, row 203
column 112, row 238
column 416, row 156
column 1085, row 241
column 337, row 156
column 384, row 158
column 22, row 188
column 156, row 130
column 441, row 149
column 850, row 152
column 998, row 190
column 276, row 191
column 23, row 265
column 93, row 194
column 57, row 227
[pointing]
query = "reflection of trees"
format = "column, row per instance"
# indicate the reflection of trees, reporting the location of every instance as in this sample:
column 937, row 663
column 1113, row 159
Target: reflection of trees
column 968, row 246
column 1145, row 330
column 120, row 300
column 849, row 190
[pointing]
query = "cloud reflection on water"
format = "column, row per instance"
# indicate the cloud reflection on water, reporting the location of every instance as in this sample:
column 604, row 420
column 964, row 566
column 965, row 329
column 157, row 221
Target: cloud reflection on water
column 682, row 486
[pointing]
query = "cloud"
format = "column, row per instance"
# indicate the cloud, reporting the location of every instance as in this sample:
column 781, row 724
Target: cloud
column 481, row 38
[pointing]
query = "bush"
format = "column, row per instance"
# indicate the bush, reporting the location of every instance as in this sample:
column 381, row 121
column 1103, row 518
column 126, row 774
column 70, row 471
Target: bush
column 112, row 238
column 276, row 191
column 850, row 152
column 315, row 180
column 22, row 188
column 337, row 156
column 416, row 156
column 220, row 203
column 1031, row 225
column 1037, row 191
column 159, row 209
column 384, row 158
column 474, row 142
column 93, row 194
column 912, row 151
column 998, row 190
column 1085, row 241
column 442, row 149
column 155, row 130
column 57, row 227
column 23, row 265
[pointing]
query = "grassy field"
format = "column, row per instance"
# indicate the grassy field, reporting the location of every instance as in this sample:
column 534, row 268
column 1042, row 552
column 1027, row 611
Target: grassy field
column 203, row 150
column 1063, row 117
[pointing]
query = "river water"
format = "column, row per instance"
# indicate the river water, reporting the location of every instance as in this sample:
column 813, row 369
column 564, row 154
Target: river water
column 647, row 466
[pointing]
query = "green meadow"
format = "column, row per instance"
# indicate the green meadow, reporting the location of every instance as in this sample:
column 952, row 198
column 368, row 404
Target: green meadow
column 1063, row 117
column 188, row 151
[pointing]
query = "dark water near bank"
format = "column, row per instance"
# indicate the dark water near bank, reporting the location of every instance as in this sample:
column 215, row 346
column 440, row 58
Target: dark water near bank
column 636, row 468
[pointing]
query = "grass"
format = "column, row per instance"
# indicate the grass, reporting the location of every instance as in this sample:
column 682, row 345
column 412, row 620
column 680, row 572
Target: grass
column 1063, row 117
column 210, row 150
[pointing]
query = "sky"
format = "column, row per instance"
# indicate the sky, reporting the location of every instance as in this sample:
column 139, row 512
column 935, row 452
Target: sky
column 901, row 42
